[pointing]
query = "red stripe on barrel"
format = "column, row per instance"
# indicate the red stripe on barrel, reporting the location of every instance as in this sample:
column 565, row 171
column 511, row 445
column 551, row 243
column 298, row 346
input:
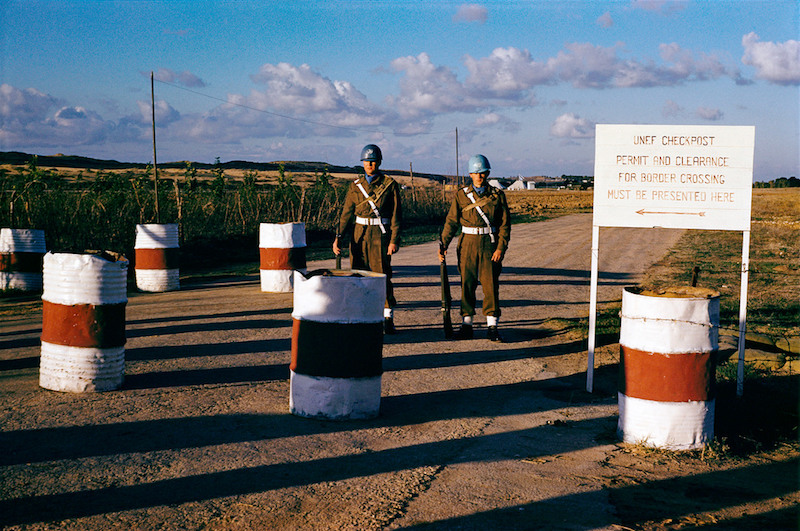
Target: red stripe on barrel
column 283, row 259
column 659, row 377
column 21, row 262
column 84, row 325
column 163, row 258
column 337, row 350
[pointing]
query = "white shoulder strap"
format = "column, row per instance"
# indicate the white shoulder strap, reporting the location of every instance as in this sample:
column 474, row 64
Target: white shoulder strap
column 479, row 210
column 372, row 206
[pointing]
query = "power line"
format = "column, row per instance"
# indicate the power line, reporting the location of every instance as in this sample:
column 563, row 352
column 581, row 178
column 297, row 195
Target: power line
column 311, row 122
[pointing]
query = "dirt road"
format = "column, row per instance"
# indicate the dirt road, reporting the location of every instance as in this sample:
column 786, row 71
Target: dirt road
column 472, row 434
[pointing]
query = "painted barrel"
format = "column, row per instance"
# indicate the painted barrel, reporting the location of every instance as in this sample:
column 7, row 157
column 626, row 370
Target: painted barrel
column 282, row 248
column 83, row 322
column 21, row 253
column 156, row 259
column 668, row 345
column 337, row 344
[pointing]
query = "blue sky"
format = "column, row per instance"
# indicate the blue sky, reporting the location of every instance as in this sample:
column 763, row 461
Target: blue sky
column 523, row 81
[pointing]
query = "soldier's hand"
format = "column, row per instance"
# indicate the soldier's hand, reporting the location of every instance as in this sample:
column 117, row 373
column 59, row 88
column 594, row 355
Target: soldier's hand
column 497, row 256
column 442, row 255
column 391, row 249
column 336, row 249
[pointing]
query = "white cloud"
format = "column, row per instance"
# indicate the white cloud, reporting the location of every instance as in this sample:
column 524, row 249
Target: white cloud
column 586, row 65
column 709, row 114
column 504, row 78
column 570, row 125
column 188, row 79
column 300, row 91
column 506, row 72
column 684, row 65
column 605, row 20
column 426, row 88
column 664, row 7
column 471, row 13
column 23, row 105
column 508, row 76
column 79, row 125
column 185, row 78
column 296, row 102
column 671, row 109
column 165, row 113
column 32, row 118
column 232, row 123
column 494, row 119
column 777, row 63
column 491, row 118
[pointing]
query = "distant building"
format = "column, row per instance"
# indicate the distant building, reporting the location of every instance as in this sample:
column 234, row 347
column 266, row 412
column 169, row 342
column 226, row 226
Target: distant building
column 496, row 184
column 524, row 183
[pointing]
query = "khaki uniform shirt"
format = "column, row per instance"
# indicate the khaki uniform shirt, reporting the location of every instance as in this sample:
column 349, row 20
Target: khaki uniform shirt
column 385, row 193
column 493, row 204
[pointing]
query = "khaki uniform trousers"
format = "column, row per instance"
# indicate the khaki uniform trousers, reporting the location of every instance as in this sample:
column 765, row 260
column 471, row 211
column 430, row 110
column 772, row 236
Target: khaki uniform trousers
column 368, row 251
column 475, row 265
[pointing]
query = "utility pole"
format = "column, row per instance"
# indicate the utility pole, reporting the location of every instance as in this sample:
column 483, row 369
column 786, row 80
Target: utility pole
column 413, row 191
column 155, row 163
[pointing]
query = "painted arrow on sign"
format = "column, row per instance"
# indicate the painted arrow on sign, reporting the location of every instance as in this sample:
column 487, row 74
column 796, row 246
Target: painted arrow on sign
column 642, row 212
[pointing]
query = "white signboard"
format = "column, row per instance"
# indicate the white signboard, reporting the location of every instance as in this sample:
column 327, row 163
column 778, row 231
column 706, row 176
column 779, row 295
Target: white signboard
column 675, row 176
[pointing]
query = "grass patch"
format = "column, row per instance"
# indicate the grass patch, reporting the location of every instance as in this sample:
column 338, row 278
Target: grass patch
column 773, row 305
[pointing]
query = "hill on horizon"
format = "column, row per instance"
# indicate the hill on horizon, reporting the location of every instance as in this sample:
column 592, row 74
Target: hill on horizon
column 17, row 158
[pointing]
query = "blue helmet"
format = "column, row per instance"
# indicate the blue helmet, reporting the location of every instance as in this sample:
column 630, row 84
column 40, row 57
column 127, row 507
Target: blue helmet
column 371, row 152
column 479, row 164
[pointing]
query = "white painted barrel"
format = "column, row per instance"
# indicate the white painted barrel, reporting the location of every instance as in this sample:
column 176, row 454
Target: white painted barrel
column 83, row 322
column 668, row 345
column 21, row 253
column 156, row 260
column 337, row 344
column 282, row 249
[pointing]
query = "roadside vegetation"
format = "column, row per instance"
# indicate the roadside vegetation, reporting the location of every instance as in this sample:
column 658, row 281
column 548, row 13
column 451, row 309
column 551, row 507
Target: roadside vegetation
column 219, row 211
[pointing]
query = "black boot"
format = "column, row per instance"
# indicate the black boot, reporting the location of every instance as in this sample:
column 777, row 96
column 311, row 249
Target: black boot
column 465, row 332
column 388, row 326
column 494, row 334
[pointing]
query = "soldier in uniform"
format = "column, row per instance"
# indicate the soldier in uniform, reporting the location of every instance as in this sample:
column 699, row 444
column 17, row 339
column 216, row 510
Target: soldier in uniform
column 372, row 212
column 482, row 213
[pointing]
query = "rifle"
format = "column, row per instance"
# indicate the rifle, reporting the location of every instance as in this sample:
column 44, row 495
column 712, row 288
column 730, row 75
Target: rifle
column 446, row 299
column 339, row 261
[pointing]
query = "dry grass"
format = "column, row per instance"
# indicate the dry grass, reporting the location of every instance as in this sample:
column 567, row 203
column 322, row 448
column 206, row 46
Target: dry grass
column 774, row 273
column 533, row 205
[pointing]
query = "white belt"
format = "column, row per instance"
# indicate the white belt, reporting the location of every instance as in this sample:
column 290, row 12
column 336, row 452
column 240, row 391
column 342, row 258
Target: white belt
column 371, row 221
column 478, row 230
